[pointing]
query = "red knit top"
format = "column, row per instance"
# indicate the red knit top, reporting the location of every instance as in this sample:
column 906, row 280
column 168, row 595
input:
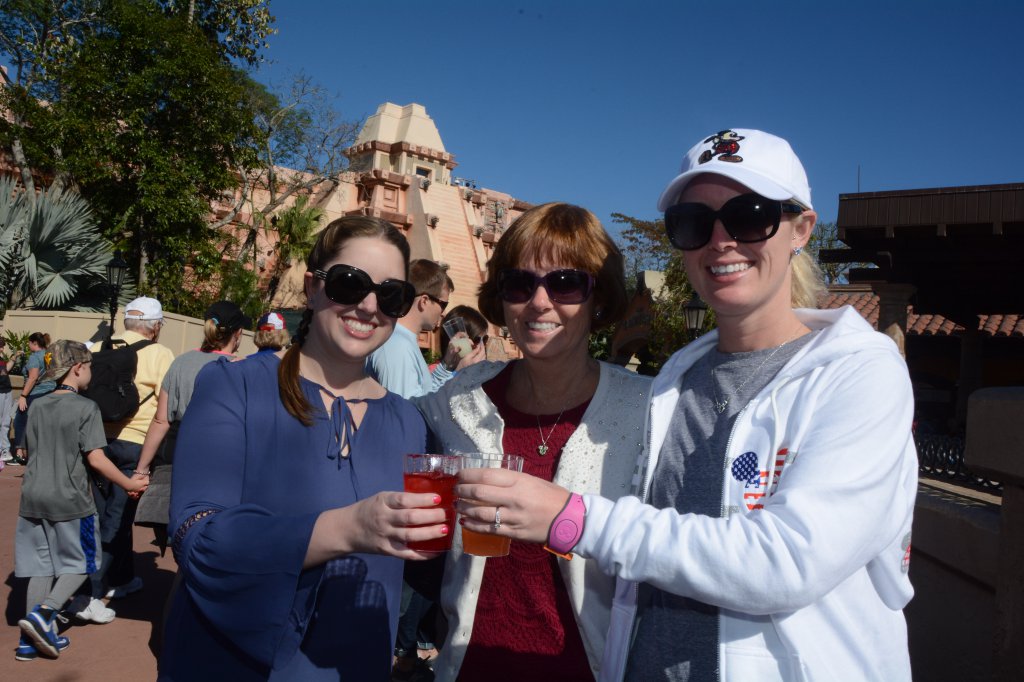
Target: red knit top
column 524, row 626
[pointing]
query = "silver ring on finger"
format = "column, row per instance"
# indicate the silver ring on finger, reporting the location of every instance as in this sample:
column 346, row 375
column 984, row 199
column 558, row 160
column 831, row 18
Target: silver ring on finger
column 497, row 519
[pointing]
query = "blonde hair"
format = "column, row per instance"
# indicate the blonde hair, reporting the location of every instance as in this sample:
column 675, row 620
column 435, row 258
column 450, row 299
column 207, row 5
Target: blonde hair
column 216, row 337
column 271, row 338
column 807, row 284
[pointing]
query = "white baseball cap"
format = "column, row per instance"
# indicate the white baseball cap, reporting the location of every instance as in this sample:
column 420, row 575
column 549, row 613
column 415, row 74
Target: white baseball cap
column 760, row 161
column 144, row 308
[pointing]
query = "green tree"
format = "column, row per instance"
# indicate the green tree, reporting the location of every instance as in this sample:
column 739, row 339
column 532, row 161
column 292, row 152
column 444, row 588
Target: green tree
column 38, row 37
column 144, row 111
column 297, row 227
column 826, row 237
column 646, row 247
column 301, row 152
column 51, row 253
column 152, row 124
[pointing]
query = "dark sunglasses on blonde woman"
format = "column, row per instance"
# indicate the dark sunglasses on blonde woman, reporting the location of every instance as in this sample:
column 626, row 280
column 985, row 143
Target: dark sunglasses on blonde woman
column 747, row 218
column 563, row 286
column 347, row 285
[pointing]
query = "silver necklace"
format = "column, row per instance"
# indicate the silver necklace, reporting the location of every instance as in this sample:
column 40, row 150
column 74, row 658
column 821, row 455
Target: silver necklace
column 720, row 404
column 542, row 449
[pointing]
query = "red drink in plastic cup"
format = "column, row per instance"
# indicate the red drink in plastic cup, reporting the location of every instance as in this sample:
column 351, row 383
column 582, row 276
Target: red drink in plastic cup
column 434, row 474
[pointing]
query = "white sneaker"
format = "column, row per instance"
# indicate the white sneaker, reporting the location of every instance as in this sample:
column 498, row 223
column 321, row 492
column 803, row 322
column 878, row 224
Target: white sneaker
column 124, row 590
column 94, row 612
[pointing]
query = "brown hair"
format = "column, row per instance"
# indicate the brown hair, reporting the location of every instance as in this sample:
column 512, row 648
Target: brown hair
column 429, row 277
column 476, row 325
column 329, row 243
column 41, row 339
column 565, row 234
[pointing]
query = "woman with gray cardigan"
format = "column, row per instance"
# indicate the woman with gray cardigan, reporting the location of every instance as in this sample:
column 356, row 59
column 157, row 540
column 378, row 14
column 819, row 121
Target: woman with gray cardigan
column 555, row 276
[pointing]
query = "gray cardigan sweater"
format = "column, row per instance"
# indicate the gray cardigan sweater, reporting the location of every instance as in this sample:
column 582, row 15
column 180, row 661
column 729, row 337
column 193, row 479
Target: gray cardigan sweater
column 599, row 458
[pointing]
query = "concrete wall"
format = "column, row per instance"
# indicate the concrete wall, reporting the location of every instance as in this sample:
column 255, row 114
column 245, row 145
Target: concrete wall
column 953, row 569
column 179, row 333
column 966, row 621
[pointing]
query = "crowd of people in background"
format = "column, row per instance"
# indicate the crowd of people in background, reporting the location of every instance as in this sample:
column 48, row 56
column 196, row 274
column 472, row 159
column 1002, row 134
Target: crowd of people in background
column 745, row 515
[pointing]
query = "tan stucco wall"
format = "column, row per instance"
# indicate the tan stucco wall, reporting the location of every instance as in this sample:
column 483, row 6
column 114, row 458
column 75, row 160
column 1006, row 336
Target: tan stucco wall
column 179, row 333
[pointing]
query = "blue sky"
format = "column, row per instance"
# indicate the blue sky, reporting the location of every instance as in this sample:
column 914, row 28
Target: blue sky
column 595, row 103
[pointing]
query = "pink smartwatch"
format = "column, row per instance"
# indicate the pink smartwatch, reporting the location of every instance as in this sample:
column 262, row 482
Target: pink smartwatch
column 567, row 528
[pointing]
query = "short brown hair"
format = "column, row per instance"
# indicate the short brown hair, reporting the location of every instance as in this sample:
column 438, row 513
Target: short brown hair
column 429, row 277
column 566, row 234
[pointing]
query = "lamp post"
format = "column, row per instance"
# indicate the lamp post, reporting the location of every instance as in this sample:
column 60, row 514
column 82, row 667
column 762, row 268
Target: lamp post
column 695, row 311
column 116, row 269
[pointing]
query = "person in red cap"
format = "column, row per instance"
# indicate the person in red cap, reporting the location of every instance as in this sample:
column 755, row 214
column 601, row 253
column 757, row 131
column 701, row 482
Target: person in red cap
column 271, row 333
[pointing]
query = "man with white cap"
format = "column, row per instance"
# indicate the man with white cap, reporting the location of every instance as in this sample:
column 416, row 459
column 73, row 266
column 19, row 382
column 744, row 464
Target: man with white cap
column 143, row 319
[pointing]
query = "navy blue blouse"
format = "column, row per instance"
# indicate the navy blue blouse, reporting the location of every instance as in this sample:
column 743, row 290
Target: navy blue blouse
column 246, row 609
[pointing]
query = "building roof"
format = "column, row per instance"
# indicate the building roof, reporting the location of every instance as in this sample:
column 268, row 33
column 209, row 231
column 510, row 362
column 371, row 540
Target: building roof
column 865, row 302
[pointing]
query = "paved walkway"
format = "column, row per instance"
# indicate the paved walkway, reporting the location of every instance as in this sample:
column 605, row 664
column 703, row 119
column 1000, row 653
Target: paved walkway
column 115, row 652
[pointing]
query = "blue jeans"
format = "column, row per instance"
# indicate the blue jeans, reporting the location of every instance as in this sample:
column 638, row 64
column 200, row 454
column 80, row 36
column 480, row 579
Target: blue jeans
column 21, row 419
column 117, row 514
column 7, row 407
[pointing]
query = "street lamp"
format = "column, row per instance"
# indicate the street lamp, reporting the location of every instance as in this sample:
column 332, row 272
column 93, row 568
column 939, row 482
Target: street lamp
column 116, row 269
column 695, row 311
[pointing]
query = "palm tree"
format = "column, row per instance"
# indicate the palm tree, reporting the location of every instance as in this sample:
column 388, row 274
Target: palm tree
column 297, row 227
column 52, row 255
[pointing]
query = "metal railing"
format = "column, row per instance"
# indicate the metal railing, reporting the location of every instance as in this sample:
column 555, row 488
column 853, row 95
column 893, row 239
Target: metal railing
column 942, row 456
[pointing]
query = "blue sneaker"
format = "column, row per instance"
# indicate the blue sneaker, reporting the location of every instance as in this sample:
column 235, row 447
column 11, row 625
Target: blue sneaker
column 27, row 652
column 41, row 630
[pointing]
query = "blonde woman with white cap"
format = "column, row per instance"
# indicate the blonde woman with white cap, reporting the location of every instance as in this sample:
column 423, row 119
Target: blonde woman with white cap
column 769, row 534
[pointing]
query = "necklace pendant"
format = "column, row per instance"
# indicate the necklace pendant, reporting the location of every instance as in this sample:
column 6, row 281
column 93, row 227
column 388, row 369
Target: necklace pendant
column 720, row 405
column 542, row 449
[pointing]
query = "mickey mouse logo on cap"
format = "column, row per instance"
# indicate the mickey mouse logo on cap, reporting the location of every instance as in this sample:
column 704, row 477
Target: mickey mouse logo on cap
column 724, row 145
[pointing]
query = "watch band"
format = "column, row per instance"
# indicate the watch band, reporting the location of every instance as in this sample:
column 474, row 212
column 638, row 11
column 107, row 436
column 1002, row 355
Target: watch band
column 567, row 528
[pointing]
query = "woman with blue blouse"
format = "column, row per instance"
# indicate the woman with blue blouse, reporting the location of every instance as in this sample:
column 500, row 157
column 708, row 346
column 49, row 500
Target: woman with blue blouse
column 284, row 517
column 35, row 387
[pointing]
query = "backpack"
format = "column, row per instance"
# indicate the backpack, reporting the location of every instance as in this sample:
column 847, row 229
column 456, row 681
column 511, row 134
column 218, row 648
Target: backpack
column 113, row 380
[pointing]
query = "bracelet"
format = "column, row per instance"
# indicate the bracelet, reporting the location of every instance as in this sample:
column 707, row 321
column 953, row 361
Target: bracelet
column 141, row 473
column 567, row 527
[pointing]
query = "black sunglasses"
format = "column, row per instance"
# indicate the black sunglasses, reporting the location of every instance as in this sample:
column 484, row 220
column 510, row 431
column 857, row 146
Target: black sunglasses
column 563, row 286
column 435, row 299
column 747, row 218
column 347, row 285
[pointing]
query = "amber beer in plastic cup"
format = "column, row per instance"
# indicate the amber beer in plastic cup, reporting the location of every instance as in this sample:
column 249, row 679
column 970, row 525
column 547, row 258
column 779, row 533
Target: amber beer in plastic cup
column 486, row 544
column 434, row 474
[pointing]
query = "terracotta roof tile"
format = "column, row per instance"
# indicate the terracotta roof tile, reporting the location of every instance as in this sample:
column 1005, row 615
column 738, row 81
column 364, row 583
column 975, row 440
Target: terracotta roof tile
column 866, row 303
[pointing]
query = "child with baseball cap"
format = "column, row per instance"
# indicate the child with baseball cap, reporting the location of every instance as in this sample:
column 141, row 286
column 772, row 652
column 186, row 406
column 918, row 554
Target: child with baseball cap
column 55, row 543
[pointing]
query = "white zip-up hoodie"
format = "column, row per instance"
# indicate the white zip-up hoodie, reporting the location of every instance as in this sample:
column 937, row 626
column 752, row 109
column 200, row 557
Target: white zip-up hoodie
column 809, row 564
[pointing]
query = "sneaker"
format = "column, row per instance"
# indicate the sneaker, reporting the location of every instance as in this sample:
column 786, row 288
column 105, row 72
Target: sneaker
column 92, row 610
column 41, row 629
column 27, row 652
column 124, row 590
column 6, row 456
column 17, row 461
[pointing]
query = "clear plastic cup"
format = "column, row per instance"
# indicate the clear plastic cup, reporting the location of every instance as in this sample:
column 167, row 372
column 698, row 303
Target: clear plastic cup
column 434, row 474
column 486, row 544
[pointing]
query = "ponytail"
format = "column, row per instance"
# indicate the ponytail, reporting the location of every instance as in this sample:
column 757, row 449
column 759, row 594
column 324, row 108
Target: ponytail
column 807, row 284
column 289, row 388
